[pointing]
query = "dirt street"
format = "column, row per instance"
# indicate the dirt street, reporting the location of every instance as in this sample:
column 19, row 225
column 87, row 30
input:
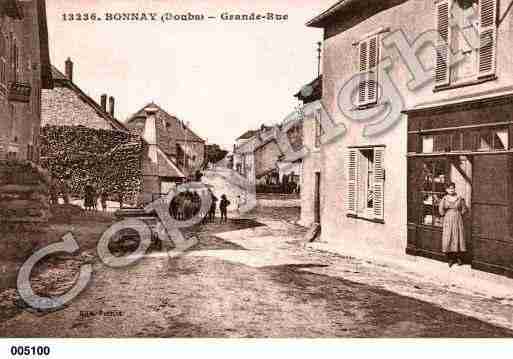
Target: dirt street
column 258, row 281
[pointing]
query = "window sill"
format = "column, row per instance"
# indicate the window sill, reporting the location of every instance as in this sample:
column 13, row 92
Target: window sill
column 366, row 107
column 464, row 84
column 373, row 220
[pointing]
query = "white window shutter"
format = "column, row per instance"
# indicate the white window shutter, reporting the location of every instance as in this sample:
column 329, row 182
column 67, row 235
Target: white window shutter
column 364, row 60
column 442, row 50
column 487, row 37
column 352, row 196
column 379, row 183
column 372, row 84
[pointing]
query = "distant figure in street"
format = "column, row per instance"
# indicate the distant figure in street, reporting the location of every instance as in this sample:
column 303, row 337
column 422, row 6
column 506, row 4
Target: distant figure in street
column 223, row 206
column 120, row 199
column 213, row 206
column 54, row 198
column 65, row 191
column 103, row 199
column 452, row 207
column 88, row 197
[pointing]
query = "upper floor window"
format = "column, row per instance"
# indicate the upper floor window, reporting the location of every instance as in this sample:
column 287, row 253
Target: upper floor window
column 466, row 47
column 368, row 50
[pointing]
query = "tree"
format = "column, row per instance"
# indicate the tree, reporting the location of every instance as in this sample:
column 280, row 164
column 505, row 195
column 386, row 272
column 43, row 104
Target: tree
column 214, row 154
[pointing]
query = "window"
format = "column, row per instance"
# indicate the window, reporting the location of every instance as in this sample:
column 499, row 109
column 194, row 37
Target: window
column 493, row 140
column 366, row 182
column 15, row 60
column 434, row 176
column 487, row 139
column 318, row 129
column 467, row 28
column 3, row 62
column 368, row 69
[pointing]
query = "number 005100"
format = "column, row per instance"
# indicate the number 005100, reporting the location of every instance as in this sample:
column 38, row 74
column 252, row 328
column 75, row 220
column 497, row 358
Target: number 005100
column 28, row 350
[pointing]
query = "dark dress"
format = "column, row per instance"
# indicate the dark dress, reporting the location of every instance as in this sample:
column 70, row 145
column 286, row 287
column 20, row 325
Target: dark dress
column 453, row 236
column 89, row 197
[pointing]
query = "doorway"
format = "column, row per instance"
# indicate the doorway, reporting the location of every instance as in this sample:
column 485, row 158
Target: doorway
column 317, row 198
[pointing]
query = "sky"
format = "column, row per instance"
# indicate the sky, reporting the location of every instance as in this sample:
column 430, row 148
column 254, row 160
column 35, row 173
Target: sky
column 223, row 77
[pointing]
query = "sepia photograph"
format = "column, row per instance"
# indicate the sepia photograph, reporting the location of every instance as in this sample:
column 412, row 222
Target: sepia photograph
column 255, row 170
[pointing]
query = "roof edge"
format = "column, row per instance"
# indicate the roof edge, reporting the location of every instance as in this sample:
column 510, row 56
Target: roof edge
column 318, row 21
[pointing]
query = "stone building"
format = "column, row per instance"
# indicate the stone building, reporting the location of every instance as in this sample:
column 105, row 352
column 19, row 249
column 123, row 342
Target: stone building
column 24, row 71
column 382, row 180
column 68, row 105
column 176, row 140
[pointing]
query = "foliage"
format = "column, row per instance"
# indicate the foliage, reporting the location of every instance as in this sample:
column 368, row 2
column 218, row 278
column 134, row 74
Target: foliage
column 214, row 153
column 108, row 159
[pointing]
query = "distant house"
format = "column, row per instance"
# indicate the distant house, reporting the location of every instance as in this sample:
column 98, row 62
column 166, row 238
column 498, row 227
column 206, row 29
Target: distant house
column 175, row 139
column 24, row 71
column 68, row 105
column 259, row 155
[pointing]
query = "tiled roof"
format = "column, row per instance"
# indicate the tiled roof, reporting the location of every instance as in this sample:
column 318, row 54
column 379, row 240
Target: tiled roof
column 177, row 130
column 247, row 135
column 61, row 80
column 311, row 91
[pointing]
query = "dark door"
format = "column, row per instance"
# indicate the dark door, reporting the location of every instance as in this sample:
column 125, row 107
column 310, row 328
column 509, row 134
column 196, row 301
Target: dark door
column 317, row 198
column 491, row 213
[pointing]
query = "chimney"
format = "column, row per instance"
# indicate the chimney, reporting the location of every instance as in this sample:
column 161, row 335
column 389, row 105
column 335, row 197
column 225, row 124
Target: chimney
column 69, row 69
column 104, row 102
column 111, row 106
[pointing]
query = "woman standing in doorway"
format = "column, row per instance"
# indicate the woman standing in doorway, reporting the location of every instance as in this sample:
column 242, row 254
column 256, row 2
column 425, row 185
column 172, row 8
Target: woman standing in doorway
column 452, row 207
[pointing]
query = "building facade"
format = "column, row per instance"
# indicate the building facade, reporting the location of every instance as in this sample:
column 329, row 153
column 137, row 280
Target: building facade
column 311, row 174
column 451, row 122
column 24, row 71
column 176, row 140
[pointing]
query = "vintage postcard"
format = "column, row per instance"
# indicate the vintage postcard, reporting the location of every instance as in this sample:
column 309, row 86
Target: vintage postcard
column 241, row 169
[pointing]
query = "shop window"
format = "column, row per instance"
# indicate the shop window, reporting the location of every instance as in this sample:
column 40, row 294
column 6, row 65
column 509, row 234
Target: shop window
column 434, row 177
column 493, row 140
column 427, row 144
column 467, row 140
column 366, row 183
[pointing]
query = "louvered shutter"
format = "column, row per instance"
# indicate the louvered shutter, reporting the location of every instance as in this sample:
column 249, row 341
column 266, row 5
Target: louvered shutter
column 379, row 183
column 372, row 84
column 352, row 181
column 487, row 37
column 362, row 87
column 442, row 50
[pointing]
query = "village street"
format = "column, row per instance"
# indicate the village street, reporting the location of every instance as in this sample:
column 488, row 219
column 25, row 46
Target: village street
column 258, row 281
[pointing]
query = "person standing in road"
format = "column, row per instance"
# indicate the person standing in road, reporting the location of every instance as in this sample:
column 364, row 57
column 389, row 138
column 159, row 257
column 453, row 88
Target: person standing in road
column 223, row 206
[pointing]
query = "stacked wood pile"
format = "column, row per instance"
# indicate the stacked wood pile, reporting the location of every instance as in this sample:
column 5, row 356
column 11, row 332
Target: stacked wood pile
column 110, row 160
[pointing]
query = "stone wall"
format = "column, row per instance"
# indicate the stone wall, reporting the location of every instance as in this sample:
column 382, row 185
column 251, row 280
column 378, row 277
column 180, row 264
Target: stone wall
column 62, row 106
column 23, row 194
column 24, row 212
